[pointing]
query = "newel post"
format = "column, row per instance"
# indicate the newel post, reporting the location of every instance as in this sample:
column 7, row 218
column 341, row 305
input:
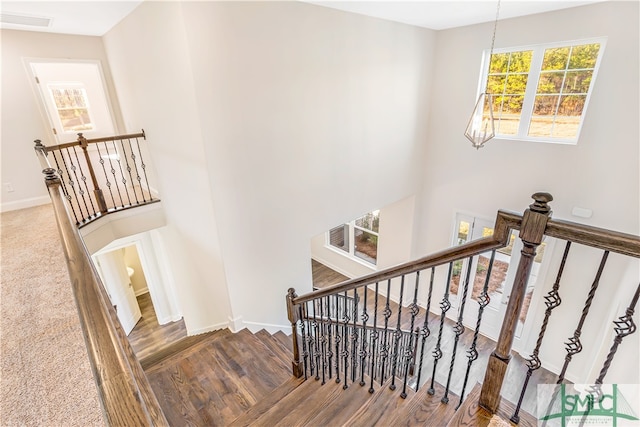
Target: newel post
column 534, row 222
column 292, row 313
column 97, row 191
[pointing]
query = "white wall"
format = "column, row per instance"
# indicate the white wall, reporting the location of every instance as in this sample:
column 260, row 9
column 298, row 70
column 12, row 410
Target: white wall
column 22, row 121
column 599, row 173
column 309, row 116
column 148, row 56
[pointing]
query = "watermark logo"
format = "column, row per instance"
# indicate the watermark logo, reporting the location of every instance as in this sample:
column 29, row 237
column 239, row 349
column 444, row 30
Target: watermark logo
column 565, row 405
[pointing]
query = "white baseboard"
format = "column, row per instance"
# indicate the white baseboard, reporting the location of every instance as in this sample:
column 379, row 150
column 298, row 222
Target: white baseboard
column 142, row 292
column 24, row 203
column 272, row 329
column 206, row 329
column 236, row 324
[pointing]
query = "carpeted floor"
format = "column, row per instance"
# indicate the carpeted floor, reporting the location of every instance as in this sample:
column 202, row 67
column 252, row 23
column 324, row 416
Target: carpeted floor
column 45, row 377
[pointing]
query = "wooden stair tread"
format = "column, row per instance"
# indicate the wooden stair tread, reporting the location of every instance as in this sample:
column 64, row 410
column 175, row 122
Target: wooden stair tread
column 381, row 407
column 472, row 415
column 275, row 347
column 425, row 409
column 264, row 405
column 285, row 340
column 179, row 347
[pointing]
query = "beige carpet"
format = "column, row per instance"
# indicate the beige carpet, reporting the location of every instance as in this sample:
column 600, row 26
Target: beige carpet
column 45, row 377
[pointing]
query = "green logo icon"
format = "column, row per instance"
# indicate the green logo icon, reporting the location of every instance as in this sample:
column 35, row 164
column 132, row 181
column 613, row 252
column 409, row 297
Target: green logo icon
column 588, row 405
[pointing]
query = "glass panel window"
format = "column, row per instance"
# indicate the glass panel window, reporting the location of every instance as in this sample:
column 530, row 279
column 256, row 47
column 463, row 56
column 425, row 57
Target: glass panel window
column 553, row 108
column 72, row 107
column 339, row 237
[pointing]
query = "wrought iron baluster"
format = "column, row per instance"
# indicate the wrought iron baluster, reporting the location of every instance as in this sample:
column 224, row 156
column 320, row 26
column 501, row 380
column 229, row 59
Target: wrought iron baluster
column 303, row 340
column 374, row 339
column 425, row 332
column 354, row 337
column 364, row 340
column 345, row 342
column 483, row 301
column 551, row 300
column 458, row 329
column 338, row 338
column 330, row 340
column 124, row 179
column 323, row 340
column 574, row 346
column 445, row 305
column 316, row 339
column 79, row 181
column 104, row 171
column 414, row 309
column 83, row 178
column 384, row 353
column 624, row 326
column 144, row 171
column 397, row 335
column 113, row 172
column 138, row 177
column 129, row 169
column 67, row 195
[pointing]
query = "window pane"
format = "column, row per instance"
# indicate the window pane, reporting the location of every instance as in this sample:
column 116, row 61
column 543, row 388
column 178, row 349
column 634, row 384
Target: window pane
column 463, row 232
column 550, row 82
column 584, row 56
column 544, row 111
column 577, row 82
column 72, row 106
column 366, row 246
column 499, row 63
column 520, row 62
column 516, row 83
column 496, row 83
column 339, row 237
column 370, row 221
column 507, row 114
column 556, row 58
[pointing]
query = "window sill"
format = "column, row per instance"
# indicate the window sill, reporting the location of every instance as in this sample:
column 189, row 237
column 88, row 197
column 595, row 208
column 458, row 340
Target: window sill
column 353, row 258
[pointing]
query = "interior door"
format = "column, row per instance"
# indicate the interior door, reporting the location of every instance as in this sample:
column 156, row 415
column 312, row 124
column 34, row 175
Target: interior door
column 74, row 97
column 503, row 271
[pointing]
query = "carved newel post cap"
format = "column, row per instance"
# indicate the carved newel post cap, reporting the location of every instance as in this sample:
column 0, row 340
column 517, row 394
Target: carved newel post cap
column 291, row 292
column 541, row 203
column 38, row 143
column 49, row 174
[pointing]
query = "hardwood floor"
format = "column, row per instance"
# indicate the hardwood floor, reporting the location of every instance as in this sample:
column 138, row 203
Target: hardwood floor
column 148, row 337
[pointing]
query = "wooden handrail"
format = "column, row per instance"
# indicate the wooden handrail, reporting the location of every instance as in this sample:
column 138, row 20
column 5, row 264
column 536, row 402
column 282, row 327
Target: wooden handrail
column 124, row 391
column 505, row 222
column 94, row 140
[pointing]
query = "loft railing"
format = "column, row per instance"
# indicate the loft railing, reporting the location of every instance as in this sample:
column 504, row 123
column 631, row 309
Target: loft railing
column 99, row 175
column 351, row 343
column 125, row 394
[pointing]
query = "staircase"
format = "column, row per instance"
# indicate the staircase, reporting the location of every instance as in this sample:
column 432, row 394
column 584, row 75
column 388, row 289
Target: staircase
column 244, row 379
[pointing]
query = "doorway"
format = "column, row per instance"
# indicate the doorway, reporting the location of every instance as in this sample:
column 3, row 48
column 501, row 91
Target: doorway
column 73, row 97
column 503, row 272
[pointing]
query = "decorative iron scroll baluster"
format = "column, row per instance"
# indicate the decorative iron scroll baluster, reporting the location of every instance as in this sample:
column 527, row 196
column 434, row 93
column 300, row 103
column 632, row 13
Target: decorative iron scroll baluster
column 80, row 181
column 574, row 346
column 458, row 329
column 425, row 332
column 104, row 171
column 551, row 300
column 338, row 338
column 67, row 195
column 330, row 333
column 483, row 301
column 323, row 340
column 124, row 180
column 354, row 338
column 113, row 172
column 316, row 339
column 364, row 340
column 384, row 353
column 374, row 339
column 144, row 169
column 129, row 169
column 135, row 166
column 445, row 305
column 397, row 335
column 345, row 342
column 409, row 353
column 624, row 326
column 303, row 340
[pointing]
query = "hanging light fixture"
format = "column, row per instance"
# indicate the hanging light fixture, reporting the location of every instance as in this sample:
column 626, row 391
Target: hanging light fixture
column 481, row 126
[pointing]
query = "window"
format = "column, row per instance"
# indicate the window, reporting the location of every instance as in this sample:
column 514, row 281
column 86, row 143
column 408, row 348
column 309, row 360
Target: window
column 540, row 93
column 72, row 107
column 358, row 238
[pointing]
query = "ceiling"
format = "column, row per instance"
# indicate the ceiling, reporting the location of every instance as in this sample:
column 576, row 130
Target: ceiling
column 96, row 17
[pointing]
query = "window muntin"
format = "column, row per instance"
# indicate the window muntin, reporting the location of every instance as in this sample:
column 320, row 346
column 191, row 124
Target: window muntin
column 358, row 238
column 540, row 93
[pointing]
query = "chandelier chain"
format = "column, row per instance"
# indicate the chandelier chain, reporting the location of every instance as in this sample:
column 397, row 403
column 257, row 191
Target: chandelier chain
column 495, row 27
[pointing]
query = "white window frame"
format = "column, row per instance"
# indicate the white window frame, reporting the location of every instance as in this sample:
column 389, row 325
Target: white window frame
column 532, row 84
column 351, row 252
